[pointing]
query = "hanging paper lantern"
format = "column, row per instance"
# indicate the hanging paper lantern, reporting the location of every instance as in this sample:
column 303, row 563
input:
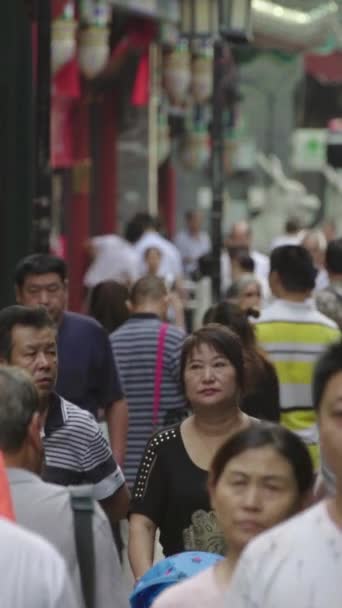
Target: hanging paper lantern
column 196, row 150
column 177, row 73
column 202, row 75
column 63, row 42
column 93, row 50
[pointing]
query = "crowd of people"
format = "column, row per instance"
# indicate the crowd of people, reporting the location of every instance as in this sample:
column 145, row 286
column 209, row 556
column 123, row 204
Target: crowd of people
column 127, row 435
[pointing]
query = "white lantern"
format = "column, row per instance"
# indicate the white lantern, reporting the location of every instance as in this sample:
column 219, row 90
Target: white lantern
column 202, row 75
column 63, row 42
column 196, row 150
column 177, row 73
column 93, row 50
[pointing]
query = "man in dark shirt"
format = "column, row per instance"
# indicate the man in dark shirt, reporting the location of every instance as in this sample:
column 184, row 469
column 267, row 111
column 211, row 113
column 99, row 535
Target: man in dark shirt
column 87, row 374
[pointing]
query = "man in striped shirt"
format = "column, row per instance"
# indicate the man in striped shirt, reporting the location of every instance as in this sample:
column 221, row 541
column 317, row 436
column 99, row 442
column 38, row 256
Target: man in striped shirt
column 294, row 334
column 76, row 451
column 135, row 346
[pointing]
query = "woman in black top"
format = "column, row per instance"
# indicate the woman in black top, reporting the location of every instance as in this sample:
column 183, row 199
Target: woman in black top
column 171, row 486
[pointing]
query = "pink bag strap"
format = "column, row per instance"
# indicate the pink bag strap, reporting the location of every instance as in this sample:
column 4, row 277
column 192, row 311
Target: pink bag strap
column 159, row 372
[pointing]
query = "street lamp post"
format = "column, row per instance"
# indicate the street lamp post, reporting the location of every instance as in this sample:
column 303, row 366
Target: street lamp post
column 222, row 21
column 42, row 169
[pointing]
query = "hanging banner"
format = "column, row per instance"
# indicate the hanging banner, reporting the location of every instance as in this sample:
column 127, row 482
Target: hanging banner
column 61, row 133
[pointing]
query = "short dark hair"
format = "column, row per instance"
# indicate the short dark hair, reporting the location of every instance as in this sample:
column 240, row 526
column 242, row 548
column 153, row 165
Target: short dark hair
column 263, row 434
column 108, row 304
column 23, row 316
column 327, row 366
column 333, row 256
column 292, row 225
column 39, row 263
column 136, row 227
column 19, row 401
column 148, row 288
column 295, row 268
column 221, row 339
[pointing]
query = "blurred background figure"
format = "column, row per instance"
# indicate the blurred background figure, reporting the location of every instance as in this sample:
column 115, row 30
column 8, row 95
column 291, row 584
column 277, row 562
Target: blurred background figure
column 292, row 235
column 192, row 242
column 246, row 292
column 153, row 258
column 240, row 237
column 241, row 263
column 261, row 392
column 329, row 300
column 108, row 304
column 111, row 258
column 142, row 232
column 315, row 243
column 243, row 471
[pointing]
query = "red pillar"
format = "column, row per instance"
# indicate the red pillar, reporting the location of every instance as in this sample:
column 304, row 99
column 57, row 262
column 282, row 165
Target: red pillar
column 107, row 170
column 79, row 212
column 168, row 197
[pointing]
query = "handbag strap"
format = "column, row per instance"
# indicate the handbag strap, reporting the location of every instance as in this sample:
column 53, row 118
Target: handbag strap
column 159, row 372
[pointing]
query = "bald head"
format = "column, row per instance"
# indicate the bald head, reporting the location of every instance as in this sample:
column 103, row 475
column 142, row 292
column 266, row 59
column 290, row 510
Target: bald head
column 240, row 235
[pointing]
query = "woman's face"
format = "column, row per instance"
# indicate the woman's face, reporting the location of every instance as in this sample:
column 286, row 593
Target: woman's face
column 209, row 377
column 153, row 258
column 256, row 490
column 251, row 297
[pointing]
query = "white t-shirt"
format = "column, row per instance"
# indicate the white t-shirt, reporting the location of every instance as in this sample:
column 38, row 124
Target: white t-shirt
column 32, row 574
column 295, row 565
column 115, row 259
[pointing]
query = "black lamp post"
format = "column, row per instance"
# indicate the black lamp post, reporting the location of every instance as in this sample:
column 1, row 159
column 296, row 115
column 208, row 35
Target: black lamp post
column 221, row 21
column 42, row 171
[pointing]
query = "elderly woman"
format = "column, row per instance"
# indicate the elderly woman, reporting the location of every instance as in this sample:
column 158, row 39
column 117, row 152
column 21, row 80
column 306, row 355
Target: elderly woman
column 259, row 478
column 247, row 293
column 171, row 486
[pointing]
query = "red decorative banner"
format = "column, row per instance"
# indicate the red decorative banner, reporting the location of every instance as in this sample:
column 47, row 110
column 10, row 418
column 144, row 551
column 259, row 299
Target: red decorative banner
column 61, row 133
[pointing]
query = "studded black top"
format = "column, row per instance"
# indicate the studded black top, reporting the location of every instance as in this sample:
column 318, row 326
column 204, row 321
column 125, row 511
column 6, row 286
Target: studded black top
column 172, row 491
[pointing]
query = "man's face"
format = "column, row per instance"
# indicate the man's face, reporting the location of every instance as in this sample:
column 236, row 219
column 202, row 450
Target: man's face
column 330, row 424
column 35, row 350
column 240, row 237
column 46, row 290
column 195, row 222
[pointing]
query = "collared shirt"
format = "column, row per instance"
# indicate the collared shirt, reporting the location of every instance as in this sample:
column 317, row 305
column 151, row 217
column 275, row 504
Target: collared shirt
column 87, row 375
column 297, row 564
column 135, row 346
column 294, row 335
column 32, row 573
column 76, row 451
column 46, row 509
column 192, row 248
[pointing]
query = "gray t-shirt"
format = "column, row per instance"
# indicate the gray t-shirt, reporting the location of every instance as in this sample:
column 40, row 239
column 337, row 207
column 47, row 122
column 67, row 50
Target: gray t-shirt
column 46, row 509
column 32, row 574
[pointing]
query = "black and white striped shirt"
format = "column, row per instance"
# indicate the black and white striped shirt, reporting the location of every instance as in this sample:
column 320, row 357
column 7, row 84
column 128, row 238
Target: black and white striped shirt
column 76, row 451
column 135, row 346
